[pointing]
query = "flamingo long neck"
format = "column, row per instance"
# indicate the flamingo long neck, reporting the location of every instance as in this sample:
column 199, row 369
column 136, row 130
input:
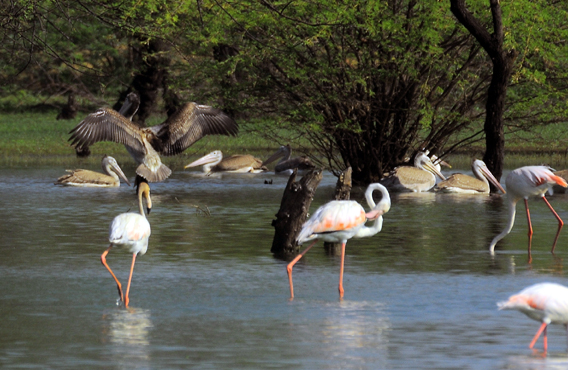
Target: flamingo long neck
column 375, row 228
column 141, row 204
column 511, row 222
column 144, row 192
column 383, row 206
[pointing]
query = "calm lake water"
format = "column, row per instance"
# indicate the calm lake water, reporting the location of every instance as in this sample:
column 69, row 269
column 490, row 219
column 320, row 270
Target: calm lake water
column 210, row 295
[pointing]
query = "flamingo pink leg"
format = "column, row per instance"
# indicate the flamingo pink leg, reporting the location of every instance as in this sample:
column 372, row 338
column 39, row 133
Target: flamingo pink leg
column 341, row 270
column 530, row 228
column 292, row 263
column 103, row 260
column 538, row 333
column 560, row 223
column 126, row 299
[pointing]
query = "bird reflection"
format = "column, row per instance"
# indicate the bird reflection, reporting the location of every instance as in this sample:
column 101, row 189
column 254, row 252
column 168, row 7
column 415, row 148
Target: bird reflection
column 425, row 197
column 357, row 326
column 128, row 331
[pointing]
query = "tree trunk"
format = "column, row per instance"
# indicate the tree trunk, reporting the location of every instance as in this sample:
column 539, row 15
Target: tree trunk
column 503, row 62
column 152, row 74
column 342, row 192
column 293, row 212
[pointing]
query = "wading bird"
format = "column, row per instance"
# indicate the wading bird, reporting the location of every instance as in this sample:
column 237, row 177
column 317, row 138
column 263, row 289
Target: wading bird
column 421, row 177
column 544, row 302
column 287, row 165
column 523, row 183
column 242, row 163
column 340, row 220
column 95, row 179
column 460, row 183
column 131, row 231
column 187, row 125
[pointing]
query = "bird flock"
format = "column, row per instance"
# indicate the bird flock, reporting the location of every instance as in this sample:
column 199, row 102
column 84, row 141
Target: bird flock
column 336, row 221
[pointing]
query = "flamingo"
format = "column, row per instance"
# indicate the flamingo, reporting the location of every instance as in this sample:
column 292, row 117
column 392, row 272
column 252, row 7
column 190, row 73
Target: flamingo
column 287, row 165
column 214, row 162
column 544, row 302
column 521, row 184
column 95, row 179
column 187, row 125
column 459, row 183
column 340, row 220
column 421, row 177
column 131, row 231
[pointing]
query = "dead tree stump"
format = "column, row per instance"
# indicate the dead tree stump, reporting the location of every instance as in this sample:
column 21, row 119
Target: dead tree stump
column 342, row 192
column 293, row 212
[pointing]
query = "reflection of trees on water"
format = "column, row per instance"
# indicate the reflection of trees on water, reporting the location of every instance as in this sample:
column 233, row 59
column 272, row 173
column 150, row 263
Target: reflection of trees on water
column 127, row 330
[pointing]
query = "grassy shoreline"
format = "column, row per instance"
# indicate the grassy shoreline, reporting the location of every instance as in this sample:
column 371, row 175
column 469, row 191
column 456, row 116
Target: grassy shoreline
column 38, row 139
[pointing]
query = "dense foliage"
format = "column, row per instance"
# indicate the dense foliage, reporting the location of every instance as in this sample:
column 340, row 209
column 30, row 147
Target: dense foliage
column 366, row 83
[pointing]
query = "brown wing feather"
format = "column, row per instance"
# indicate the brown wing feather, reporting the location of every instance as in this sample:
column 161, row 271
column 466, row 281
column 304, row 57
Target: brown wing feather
column 238, row 161
column 465, row 182
column 81, row 176
column 106, row 125
column 189, row 124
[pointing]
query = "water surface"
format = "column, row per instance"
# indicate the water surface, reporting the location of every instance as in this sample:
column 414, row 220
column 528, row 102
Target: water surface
column 209, row 294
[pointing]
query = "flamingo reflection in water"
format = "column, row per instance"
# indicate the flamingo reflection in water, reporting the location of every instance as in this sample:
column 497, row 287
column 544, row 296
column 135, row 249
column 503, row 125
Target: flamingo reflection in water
column 131, row 231
column 340, row 220
column 523, row 183
column 544, row 302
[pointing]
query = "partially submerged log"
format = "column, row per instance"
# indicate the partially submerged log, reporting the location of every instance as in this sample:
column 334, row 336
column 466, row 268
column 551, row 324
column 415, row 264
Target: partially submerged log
column 342, row 192
column 293, row 212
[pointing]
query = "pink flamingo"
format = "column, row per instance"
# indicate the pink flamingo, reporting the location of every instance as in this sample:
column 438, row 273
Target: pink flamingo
column 521, row 184
column 340, row 220
column 544, row 302
column 131, row 231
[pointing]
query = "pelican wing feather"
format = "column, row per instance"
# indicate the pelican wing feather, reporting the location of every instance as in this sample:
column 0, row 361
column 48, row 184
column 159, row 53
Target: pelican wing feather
column 107, row 125
column 189, row 124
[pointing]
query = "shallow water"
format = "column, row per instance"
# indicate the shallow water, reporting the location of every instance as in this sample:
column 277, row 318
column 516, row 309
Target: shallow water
column 209, row 294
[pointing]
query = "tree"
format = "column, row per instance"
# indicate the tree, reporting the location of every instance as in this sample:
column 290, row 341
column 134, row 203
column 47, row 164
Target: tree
column 503, row 67
column 365, row 83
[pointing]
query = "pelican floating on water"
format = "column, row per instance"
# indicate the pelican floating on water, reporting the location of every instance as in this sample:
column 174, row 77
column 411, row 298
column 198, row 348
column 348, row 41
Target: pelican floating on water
column 108, row 179
column 187, row 125
column 286, row 165
column 460, row 183
column 240, row 163
column 421, row 177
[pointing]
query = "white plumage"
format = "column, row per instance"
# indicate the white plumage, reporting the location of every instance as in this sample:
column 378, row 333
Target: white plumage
column 544, row 302
column 130, row 231
column 525, row 182
column 340, row 220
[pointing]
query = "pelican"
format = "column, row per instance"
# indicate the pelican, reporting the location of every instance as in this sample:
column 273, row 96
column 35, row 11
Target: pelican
column 438, row 163
column 523, row 183
column 241, row 163
column 287, row 165
column 340, row 220
column 187, row 125
column 95, row 179
column 131, row 231
column 459, row 183
column 419, row 178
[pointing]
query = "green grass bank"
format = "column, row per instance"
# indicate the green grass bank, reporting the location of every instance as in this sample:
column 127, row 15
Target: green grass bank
column 36, row 139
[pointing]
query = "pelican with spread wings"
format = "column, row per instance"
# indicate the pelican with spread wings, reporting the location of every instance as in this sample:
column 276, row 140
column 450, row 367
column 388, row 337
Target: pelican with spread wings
column 187, row 125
